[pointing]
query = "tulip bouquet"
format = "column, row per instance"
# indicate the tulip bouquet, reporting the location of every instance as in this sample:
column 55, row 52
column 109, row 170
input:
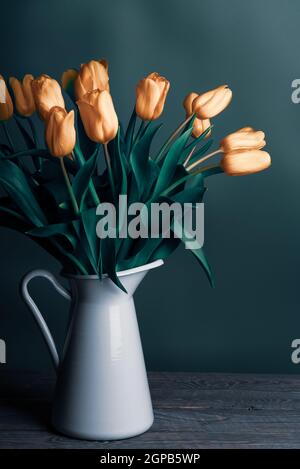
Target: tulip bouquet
column 52, row 187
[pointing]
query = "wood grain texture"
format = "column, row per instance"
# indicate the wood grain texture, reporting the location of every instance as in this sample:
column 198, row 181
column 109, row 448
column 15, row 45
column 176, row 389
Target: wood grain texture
column 192, row 410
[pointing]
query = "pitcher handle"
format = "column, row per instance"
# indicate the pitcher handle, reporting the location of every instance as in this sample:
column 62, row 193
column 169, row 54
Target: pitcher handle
column 36, row 312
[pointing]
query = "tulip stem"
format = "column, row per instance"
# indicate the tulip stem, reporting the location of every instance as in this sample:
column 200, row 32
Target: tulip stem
column 188, row 176
column 189, row 157
column 139, row 132
column 69, row 187
column 196, row 163
column 172, row 137
column 109, row 170
column 38, row 164
column 129, row 136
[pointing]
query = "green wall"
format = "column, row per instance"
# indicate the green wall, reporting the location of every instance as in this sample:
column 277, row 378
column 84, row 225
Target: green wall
column 252, row 226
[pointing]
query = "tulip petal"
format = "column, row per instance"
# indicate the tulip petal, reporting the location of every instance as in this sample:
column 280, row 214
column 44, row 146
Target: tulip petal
column 241, row 163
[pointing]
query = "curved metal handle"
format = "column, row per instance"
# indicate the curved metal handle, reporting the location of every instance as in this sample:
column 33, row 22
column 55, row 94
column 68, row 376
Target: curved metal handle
column 36, row 312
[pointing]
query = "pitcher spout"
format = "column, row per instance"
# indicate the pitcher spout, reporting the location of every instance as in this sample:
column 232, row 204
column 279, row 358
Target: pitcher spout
column 131, row 279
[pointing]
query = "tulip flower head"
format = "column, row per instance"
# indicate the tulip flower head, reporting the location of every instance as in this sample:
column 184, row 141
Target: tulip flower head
column 92, row 76
column 47, row 94
column 245, row 138
column 151, row 93
column 6, row 104
column 98, row 115
column 60, row 132
column 200, row 125
column 211, row 103
column 243, row 162
column 24, row 99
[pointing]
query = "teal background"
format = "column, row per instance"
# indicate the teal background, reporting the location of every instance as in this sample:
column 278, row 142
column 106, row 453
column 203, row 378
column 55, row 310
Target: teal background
column 252, row 230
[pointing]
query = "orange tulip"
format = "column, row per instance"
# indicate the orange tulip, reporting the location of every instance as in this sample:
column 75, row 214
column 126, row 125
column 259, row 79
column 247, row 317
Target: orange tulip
column 151, row 93
column 200, row 125
column 98, row 116
column 92, row 76
column 245, row 138
column 211, row 103
column 6, row 105
column 242, row 162
column 23, row 95
column 47, row 94
column 60, row 132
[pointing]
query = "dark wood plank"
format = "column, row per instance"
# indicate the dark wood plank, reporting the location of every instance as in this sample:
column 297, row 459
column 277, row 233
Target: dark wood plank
column 192, row 410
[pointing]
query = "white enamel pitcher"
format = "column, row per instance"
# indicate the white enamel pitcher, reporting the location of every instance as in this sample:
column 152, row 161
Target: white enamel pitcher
column 102, row 390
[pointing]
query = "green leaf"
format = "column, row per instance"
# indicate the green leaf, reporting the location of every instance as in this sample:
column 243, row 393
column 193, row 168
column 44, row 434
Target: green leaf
column 72, row 259
column 188, row 195
column 201, row 151
column 85, row 248
column 129, row 133
column 4, row 150
column 89, row 221
column 30, row 137
column 32, row 152
column 201, row 137
column 55, row 229
column 145, row 253
column 58, row 191
column 170, row 162
column 196, row 182
column 165, row 249
column 82, row 179
column 18, row 188
column 108, row 255
column 198, row 252
column 9, row 218
column 25, row 134
column 140, row 158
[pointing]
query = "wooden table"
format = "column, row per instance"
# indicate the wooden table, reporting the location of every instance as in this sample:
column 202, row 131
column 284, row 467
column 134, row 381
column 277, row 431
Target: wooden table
column 192, row 410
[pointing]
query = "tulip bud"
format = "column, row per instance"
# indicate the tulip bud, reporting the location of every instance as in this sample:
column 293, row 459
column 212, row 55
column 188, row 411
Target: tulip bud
column 211, row 103
column 23, row 95
column 60, row 132
column 151, row 93
column 245, row 129
column 98, row 116
column 68, row 76
column 92, row 76
column 6, row 105
column 47, row 94
column 246, row 138
column 200, row 125
column 240, row 163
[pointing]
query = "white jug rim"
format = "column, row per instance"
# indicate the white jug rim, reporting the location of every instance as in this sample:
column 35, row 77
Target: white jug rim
column 122, row 273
